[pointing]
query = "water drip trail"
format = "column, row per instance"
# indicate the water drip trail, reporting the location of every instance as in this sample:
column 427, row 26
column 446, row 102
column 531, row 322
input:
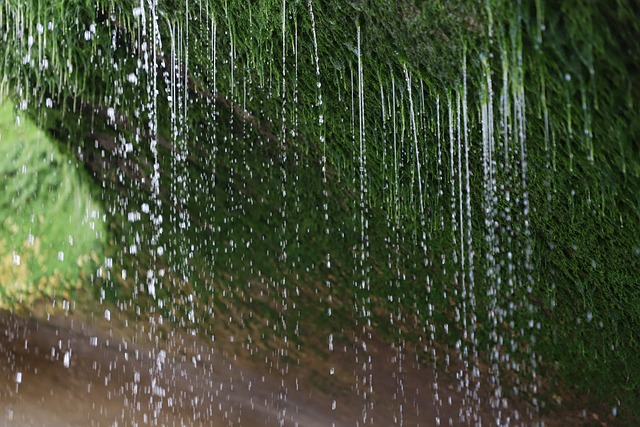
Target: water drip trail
column 364, row 276
column 283, row 208
column 473, row 324
column 150, row 48
column 525, row 244
column 212, row 141
column 463, row 346
column 395, row 189
column 320, row 107
column 414, row 130
column 437, row 401
column 489, row 201
column 178, row 102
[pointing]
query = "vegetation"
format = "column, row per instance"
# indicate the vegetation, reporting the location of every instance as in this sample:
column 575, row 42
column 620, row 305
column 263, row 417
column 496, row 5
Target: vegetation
column 293, row 175
column 52, row 228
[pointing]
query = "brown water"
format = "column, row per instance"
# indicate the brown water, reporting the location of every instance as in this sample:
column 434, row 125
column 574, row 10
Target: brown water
column 74, row 371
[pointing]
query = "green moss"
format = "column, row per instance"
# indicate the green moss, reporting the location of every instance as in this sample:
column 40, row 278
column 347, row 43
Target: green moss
column 244, row 208
column 52, row 228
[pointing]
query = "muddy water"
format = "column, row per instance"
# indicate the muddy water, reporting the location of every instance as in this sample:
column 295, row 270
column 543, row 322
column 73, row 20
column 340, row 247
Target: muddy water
column 73, row 371
column 63, row 371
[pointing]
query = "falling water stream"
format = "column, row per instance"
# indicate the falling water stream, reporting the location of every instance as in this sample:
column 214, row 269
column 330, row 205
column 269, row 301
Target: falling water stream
column 301, row 239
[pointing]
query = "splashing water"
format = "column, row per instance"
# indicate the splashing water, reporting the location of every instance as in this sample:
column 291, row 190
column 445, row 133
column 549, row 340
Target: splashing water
column 312, row 241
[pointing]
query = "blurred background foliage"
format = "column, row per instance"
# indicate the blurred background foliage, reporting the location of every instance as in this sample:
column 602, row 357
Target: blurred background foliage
column 52, row 227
